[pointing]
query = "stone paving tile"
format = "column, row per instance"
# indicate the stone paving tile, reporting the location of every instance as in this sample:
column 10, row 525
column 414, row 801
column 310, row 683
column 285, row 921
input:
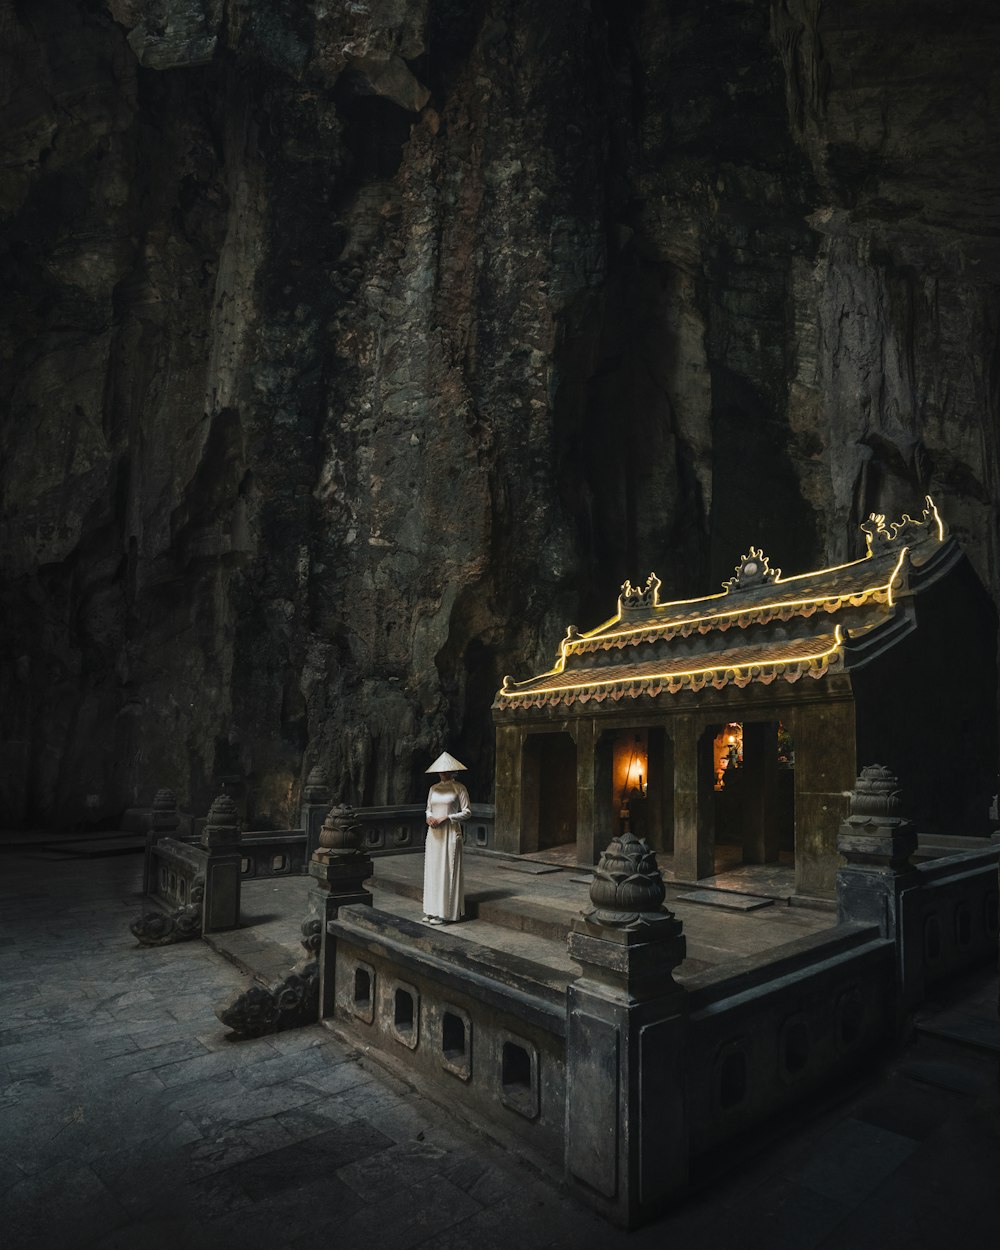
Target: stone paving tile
column 530, row 1218
column 408, row 1163
column 66, row 1206
column 338, row 1078
column 404, row 1216
column 851, row 1160
column 276, row 1222
column 234, row 1104
column 170, row 1056
column 224, row 1145
column 136, row 1184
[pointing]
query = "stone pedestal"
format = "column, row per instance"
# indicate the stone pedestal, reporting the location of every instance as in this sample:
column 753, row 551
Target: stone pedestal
column 164, row 825
column 339, row 869
column 626, row 1136
column 877, row 843
column 220, row 844
column 315, row 805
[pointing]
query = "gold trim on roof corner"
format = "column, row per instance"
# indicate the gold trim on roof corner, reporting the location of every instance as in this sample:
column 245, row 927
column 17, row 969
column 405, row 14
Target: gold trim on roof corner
column 877, row 535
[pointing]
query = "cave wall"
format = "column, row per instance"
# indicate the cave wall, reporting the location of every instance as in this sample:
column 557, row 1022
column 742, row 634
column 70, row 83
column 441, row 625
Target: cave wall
column 351, row 351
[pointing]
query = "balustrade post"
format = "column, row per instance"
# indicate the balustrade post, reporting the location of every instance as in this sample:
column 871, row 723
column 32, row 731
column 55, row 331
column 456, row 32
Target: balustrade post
column 316, row 799
column 877, row 843
column 220, row 844
column 339, row 867
column 626, row 1130
column 164, row 824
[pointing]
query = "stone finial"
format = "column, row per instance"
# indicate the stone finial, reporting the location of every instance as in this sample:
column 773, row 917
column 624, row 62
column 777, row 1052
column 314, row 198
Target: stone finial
column 876, row 793
column 340, row 833
column 222, row 825
column 317, row 787
column 628, row 941
column 628, row 890
column 875, row 835
column 165, row 817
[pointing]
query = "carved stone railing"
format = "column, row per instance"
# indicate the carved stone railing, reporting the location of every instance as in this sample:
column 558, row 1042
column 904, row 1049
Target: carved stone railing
column 402, row 828
column 638, row 1072
column 193, row 889
column 941, row 914
column 176, row 886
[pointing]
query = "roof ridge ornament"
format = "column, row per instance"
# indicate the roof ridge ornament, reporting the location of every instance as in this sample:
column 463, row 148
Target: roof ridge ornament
column 641, row 598
column 877, row 533
column 754, row 569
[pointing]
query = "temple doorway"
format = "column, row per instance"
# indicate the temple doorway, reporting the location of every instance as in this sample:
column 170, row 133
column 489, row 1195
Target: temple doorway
column 548, row 793
column 753, row 795
column 634, row 786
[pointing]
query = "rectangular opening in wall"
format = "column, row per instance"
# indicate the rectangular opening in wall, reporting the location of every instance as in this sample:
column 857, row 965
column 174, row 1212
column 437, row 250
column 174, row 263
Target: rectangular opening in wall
column 519, row 1077
column 453, row 1036
column 403, row 1004
column 482, row 836
column 516, row 1071
column 244, row 866
column 362, row 987
column 403, row 1013
column 279, row 863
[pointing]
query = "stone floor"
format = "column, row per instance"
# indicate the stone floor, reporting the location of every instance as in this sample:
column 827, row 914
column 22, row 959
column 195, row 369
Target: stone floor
column 128, row 1120
column 524, row 909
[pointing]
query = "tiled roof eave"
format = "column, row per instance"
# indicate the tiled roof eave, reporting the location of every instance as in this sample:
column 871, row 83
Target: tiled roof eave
column 742, row 620
column 763, row 673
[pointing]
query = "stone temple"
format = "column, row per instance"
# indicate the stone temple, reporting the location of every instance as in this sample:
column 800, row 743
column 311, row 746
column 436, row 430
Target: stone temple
column 350, row 352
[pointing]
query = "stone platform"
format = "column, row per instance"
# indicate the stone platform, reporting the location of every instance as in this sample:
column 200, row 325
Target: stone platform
column 520, row 907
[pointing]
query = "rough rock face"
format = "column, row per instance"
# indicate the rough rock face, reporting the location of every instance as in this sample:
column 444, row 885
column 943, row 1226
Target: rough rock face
column 352, row 350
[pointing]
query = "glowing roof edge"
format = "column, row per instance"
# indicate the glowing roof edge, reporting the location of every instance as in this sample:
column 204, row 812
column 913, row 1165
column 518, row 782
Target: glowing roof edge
column 874, row 525
column 838, row 639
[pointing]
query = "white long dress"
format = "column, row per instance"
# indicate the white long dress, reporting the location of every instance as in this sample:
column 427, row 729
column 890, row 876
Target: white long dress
column 444, row 894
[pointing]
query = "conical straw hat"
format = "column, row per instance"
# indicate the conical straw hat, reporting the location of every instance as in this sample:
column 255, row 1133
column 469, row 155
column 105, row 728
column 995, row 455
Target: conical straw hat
column 446, row 763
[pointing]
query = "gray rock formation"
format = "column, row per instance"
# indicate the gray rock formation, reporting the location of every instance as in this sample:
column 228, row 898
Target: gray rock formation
column 349, row 351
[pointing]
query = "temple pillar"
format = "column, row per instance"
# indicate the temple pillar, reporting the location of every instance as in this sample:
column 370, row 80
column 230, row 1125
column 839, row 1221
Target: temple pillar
column 586, row 776
column 694, row 818
column 759, row 792
column 507, row 832
column 825, row 762
column 660, row 790
column 605, row 809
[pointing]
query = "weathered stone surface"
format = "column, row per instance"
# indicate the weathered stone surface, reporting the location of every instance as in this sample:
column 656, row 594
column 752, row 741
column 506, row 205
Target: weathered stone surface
column 351, row 350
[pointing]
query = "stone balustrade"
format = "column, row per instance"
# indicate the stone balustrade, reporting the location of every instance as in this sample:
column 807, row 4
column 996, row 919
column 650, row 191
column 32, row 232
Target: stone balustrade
column 631, row 1078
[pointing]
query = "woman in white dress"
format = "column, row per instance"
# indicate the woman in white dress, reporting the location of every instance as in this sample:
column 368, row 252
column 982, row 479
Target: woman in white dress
column 447, row 806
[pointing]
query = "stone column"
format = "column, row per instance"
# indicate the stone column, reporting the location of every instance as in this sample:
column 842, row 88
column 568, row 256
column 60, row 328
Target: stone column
column 694, row 822
column 316, row 799
column 164, row 825
column 507, row 830
column 220, row 843
column 339, row 868
column 758, row 792
column 586, row 768
column 626, row 1132
column 877, row 843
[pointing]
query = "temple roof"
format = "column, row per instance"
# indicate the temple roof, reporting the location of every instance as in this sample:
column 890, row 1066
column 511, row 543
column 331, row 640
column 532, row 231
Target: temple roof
column 761, row 627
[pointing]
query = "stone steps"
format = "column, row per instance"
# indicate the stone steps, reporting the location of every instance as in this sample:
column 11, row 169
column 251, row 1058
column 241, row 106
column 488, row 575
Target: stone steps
column 549, row 920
